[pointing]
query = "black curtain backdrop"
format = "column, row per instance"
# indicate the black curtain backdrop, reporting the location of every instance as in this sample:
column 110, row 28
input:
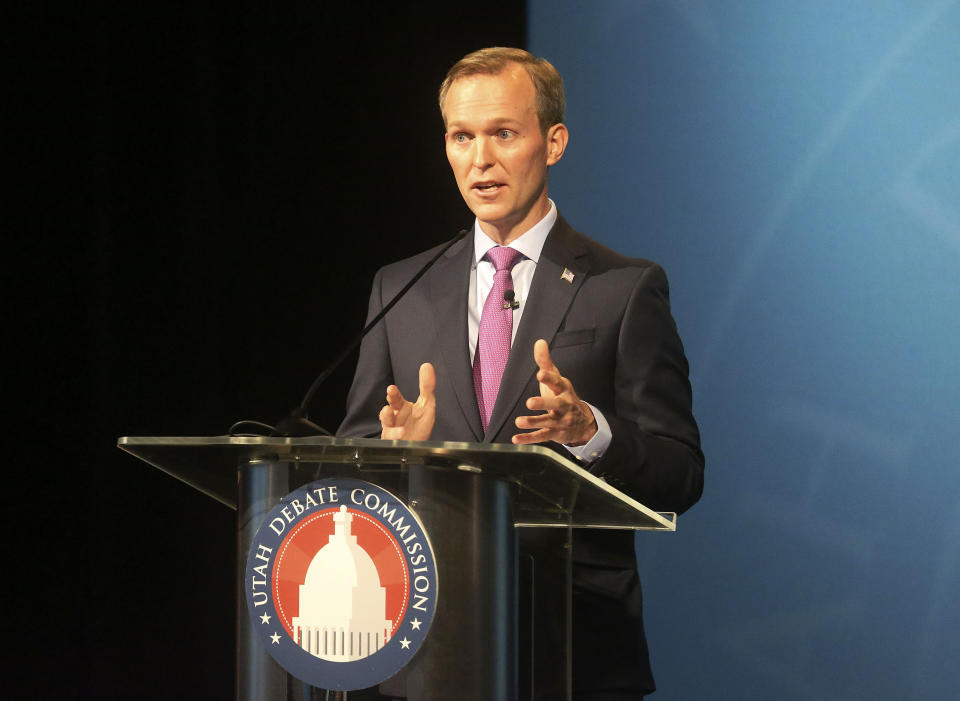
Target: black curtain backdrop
column 201, row 194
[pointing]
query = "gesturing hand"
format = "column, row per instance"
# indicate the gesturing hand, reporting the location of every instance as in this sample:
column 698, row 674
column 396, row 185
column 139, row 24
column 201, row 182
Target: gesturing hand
column 567, row 419
column 413, row 421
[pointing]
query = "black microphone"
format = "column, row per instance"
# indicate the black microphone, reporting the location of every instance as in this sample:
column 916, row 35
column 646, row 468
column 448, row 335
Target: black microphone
column 298, row 423
column 508, row 300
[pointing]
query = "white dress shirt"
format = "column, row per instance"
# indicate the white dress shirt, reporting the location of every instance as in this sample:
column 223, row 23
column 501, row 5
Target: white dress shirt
column 530, row 244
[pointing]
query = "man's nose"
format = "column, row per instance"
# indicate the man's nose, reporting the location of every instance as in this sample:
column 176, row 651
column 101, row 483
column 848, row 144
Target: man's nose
column 482, row 154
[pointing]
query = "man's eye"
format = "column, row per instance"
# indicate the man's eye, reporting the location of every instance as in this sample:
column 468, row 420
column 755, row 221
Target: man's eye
column 460, row 138
column 505, row 134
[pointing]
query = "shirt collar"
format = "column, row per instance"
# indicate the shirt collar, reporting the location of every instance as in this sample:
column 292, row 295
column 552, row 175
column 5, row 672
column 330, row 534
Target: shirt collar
column 530, row 243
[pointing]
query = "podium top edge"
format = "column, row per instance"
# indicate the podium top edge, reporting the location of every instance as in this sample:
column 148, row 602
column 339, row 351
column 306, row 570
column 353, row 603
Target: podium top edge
column 124, row 442
column 322, row 440
column 131, row 444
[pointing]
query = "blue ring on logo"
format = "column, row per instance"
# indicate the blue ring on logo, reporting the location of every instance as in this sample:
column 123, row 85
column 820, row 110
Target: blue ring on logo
column 259, row 573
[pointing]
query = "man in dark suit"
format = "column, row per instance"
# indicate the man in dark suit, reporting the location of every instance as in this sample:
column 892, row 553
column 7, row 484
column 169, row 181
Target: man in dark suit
column 593, row 366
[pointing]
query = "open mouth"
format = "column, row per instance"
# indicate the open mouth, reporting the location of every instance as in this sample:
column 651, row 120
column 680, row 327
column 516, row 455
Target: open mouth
column 487, row 187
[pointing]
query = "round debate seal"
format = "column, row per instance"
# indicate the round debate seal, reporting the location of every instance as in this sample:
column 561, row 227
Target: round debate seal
column 341, row 584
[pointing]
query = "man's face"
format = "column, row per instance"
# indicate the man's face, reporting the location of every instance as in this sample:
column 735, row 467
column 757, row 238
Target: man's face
column 498, row 154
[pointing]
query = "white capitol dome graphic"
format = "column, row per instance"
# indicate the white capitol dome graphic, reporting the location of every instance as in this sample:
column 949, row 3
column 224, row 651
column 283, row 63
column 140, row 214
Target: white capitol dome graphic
column 343, row 608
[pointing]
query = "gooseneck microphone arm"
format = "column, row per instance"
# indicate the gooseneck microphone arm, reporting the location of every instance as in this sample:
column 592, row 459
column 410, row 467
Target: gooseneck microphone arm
column 298, row 422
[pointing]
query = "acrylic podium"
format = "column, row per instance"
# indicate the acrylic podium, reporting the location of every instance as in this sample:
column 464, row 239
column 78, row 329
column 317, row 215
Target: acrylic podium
column 473, row 499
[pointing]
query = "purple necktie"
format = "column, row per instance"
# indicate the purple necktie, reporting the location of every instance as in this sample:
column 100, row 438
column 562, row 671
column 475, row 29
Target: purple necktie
column 496, row 329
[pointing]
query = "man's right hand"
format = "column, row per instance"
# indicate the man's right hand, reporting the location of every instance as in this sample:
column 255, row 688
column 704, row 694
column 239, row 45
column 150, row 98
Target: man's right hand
column 412, row 421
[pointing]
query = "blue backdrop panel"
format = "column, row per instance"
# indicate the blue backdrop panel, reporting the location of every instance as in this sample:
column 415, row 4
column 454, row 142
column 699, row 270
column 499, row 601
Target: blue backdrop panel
column 794, row 166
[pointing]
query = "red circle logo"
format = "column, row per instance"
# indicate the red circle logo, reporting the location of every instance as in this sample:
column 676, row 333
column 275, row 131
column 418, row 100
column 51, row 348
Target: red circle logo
column 304, row 544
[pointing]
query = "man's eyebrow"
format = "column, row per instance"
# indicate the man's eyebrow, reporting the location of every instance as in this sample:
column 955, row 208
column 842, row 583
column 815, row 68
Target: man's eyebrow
column 492, row 124
column 507, row 121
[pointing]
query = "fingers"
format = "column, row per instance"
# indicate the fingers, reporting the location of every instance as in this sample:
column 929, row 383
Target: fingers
column 389, row 428
column 555, row 421
column 541, row 354
column 548, row 374
column 428, row 385
column 552, row 404
column 567, row 430
column 388, row 424
column 395, row 399
column 564, row 419
column 401, row 419
column 392, row 414
column 548, row 420
column 541, row 436
column 428, row 382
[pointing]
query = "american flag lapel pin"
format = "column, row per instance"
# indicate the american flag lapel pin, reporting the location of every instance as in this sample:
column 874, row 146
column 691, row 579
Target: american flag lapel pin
column 567, row 275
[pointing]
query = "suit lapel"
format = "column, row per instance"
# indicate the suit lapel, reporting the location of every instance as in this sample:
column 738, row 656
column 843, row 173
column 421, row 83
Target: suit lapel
column 449, row 286
column 547, row 304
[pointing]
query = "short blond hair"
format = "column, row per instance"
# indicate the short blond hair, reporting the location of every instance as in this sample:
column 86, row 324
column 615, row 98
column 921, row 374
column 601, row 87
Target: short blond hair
column 551, row 102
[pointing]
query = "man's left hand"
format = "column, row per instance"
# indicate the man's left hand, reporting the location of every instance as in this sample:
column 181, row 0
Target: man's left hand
column 567, row 418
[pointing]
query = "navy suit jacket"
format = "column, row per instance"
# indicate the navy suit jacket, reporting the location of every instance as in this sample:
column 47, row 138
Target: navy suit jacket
column 611, row 333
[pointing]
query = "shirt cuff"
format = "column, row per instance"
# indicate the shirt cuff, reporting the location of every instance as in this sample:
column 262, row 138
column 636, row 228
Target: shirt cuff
column 594, row 448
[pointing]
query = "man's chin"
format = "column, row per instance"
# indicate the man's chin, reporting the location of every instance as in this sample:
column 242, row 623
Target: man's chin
column 488, row 213
column 491, row 217
column 489, row 205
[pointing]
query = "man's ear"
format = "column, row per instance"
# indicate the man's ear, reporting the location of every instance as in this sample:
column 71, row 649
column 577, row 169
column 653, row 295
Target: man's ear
column 557, row 137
